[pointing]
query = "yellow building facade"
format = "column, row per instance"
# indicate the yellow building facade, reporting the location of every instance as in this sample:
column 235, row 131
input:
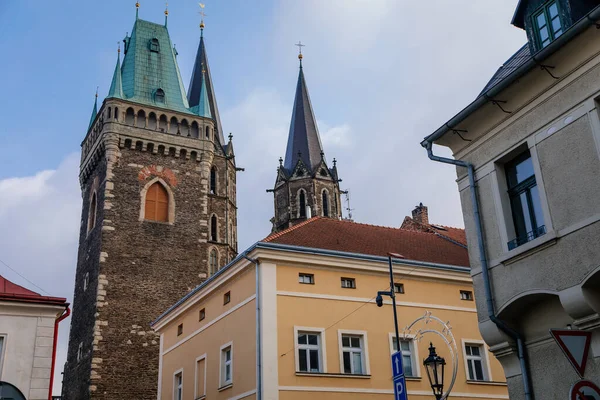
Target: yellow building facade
column 285, row 321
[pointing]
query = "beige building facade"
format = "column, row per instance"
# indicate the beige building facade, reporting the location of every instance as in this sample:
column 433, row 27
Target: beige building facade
column 285, row 321
column 528, row 165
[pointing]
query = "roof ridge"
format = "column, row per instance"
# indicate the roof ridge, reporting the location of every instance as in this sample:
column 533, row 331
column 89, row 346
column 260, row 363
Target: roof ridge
column 290, row 229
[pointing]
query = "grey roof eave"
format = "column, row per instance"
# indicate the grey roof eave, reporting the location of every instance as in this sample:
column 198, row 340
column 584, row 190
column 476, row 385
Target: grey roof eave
column 309, row 250
column 591, row 18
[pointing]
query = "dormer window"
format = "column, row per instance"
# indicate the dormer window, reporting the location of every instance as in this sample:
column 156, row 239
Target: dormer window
column 547, row 23
column 159, row 96
column 154, row 46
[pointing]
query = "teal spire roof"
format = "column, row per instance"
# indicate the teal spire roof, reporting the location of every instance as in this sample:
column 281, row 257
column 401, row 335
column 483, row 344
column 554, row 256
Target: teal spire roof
column 94, row 111
column 150, row 74
column 203, row 107
column 116, row 86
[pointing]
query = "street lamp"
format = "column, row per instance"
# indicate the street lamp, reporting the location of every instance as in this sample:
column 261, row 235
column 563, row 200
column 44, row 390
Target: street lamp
column 434, row 365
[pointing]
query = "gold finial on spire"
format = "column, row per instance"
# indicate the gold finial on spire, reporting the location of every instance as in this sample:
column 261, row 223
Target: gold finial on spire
column 166, row 8
column 118, row 47
column 137, row 4
column 97, row 87
column 202, row 14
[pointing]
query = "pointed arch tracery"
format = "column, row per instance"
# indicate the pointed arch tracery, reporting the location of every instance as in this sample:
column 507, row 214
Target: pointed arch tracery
column 301, row 203
column 214, row 228
column 213, row 261
column 157, row 202
column 325, row 202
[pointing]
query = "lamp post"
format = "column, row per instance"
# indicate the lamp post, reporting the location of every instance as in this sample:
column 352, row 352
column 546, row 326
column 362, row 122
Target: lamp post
column 392, row 294
column 434, row 365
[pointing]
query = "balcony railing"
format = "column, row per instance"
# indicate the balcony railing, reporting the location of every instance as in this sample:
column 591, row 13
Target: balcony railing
column 539, row 231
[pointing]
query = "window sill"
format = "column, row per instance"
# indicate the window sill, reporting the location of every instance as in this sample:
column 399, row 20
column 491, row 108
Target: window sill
column 157, row 222
column 488, row 383
column 332, row 375
column 201, row 397
column 228, row 386
column 525, row 250
column 413, row 378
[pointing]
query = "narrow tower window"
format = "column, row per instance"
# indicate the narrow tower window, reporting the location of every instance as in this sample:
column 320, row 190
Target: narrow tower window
column 213, row 228
column 302, row 204
column 213, row 180
column 154, row 45
column 207, row 132
column 92, row 214
column 157, row 203
column 213, row 262
column 159, row 96
column 325, row 204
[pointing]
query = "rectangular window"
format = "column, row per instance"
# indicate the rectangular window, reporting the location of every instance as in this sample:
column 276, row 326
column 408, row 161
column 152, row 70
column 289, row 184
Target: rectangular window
column 86, row 280
column 226, row 365
column 352, row 354
column 80, row 352
column 226, row 298
column 524, row 200
column 1, row 352
column 408, row 359
column 476, row 363
column 179, row 329
column 200, row 378
column 202, row 314
column 309, row 352
column 349, row 283
column 466, row 295
column 547, row 23
column 399, row 288
column 306, row 278
column 178, row 386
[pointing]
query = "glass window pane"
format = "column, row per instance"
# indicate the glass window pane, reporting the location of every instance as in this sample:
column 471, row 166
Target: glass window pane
column 525, row 210
column 524, row 169
column 394, row 344
column 475, row 350
column 541, row 20
column 558, row 33
column 537, row 207
column 228, row 355
column 302, row 338
column 357, row 361
column 544, row 34
column 478, row 370
column 314, row 361
column 312, row 339
column 347, row 368
column 355, row 342
column 302, row 364
column 468, row 350
column 556, row 24
column 407, row 364
column 553, row 10
column 405, row 345
column 470, row 365
column 345, row 341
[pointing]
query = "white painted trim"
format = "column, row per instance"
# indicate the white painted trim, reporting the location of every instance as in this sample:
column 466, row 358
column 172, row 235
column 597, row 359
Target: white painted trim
column 365, row 349
column 4, row 337
column 322, row 347
column 415, row 353
column 202, row 357
column 179, row 371
column 160, row 366
column 267, row 273
column 365, row 300
column 242, row 395
column 221, row 383
column 384, row 391
column 209, row 324
column 484, row 354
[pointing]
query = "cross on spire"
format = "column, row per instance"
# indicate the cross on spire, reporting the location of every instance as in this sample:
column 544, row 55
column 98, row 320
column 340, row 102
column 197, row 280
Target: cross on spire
column 202, row 15
column 300, row 46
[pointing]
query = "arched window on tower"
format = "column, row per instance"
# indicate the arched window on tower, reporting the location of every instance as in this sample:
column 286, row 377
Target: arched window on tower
column 92, row 213
column 213, row 180
column 213, row 228
column 157, row 203
column 159, row 96
column 213, row 262
column 154, row 45
column 325, row 203
column 301, row 204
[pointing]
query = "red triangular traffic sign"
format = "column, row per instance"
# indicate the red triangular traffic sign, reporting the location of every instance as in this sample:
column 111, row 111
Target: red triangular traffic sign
column 575, row 345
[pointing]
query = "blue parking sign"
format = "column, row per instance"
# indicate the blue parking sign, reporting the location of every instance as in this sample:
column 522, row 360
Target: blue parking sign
column 400, row 388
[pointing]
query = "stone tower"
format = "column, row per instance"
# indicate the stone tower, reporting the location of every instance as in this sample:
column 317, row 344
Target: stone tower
column 158, row 216
column 305, row 185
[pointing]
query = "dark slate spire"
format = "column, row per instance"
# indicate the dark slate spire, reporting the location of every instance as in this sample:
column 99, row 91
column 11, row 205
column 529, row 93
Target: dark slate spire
column 303, row 141
column 197, row 83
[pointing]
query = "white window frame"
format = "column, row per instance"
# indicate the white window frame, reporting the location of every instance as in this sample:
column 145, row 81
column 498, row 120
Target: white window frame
column 364, row 348
column 485, row 360
column 322, row 348
column 196, row 394
column 468, row 295
column 349, row 279
column 306, row 275
column 175, row 388
column 223, row 364
column 414, row 356
column 3, row 340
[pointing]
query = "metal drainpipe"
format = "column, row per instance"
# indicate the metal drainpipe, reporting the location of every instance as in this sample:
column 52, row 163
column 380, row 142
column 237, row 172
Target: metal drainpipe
column 484, row 268
column 258, row 333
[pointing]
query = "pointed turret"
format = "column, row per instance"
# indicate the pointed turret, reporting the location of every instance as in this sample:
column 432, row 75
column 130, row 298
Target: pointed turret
column 94, row 111
column 200, row 83
column 303, row 141
column 203, row 107
column 116, row 86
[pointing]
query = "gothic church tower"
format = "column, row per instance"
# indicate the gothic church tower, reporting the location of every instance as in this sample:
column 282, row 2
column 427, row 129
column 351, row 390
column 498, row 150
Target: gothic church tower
column 159, row 214
column 305, row 185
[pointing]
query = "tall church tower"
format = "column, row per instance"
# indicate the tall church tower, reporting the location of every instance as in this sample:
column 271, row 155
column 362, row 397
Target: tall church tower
column 305, row 185
column 159, row 214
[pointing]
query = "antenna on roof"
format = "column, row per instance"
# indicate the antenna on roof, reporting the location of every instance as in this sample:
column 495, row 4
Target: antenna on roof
column 346, row 194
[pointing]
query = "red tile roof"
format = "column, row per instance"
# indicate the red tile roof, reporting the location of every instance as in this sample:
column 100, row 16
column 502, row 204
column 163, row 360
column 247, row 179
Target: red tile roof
column 456, row 234
column 352, row 237
column 10, row 291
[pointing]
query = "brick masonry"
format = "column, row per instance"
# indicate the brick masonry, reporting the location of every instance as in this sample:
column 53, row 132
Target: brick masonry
column 137, row 269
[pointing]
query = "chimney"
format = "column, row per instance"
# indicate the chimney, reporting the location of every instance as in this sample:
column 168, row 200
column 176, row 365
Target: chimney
column 419, row 214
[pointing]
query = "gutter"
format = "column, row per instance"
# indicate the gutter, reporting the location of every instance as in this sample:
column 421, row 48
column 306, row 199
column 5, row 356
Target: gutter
column 64, row 315
column 590, row 19
column 258, row 331
column 484, row 268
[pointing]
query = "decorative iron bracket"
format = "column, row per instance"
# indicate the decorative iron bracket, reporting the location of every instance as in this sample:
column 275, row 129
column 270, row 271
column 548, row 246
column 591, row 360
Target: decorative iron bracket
column 499, row 104
column 547, row 68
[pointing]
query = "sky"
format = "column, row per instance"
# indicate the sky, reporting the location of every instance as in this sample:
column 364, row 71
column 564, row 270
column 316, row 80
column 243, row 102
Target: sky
column 382, row 74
